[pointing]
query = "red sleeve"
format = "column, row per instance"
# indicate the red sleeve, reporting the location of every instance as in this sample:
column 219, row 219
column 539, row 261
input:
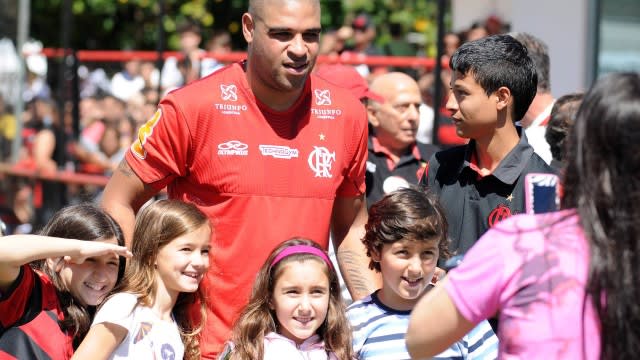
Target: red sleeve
column 354, row 181
column 15, row 300
column 160, row 152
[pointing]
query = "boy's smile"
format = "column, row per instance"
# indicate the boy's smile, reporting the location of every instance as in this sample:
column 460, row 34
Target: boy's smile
column 407, row 269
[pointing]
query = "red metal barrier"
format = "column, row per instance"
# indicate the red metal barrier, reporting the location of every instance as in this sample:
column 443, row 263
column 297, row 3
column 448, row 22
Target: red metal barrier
column 67, row 177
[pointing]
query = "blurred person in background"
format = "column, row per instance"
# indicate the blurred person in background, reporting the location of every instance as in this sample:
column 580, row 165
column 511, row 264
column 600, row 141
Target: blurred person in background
column 36, row 81
column 128, row 82
column 220, row 43
column 451, row 42
column 178, row 72
column 561, row 121
column 8, row 128
column 333, row 42
column 364, row 34
column 537, row 117
column 395, row 158
column 150, row 74
column 44, row 145
column 476, row 31
column 399, row 46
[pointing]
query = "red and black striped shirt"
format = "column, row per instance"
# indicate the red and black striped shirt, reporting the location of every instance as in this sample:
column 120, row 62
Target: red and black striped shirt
column 29, row 320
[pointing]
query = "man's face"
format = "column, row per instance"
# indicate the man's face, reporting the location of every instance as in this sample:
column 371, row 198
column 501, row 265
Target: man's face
column 283, row 43
column 396, row 121
column 474, row 113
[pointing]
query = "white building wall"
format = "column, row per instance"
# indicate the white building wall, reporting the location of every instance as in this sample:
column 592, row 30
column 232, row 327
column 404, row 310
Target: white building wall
column 562, row 24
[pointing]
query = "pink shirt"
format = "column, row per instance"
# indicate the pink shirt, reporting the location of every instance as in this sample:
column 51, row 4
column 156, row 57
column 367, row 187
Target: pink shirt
column 278, row 347
column 531, row 270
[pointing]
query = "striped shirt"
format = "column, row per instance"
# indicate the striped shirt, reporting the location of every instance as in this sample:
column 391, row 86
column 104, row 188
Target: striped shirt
column 379, row 331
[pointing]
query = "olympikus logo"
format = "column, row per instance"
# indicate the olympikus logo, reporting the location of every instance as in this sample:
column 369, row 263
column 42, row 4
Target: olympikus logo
column 233, row 148
column 326, row 113
column 279, row 152
column 323, row 97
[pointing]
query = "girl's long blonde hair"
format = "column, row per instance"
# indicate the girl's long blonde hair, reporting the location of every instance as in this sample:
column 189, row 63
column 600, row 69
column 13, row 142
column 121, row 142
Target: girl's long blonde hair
column 157, row 225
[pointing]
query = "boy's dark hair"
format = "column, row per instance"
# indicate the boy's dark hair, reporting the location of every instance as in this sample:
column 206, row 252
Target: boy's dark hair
column 496, row 61
column 405, row 214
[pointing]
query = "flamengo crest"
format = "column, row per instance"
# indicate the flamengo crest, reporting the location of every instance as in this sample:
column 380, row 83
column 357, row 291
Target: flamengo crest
column 321, row 160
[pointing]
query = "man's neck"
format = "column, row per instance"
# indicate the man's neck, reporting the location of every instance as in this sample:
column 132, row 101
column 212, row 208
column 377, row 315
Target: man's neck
column 274, row 99
column 539, row 104
column 395, row 153
column 491, row 151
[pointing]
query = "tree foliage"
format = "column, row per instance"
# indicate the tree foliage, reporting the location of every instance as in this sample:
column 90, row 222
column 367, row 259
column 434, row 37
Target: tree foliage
column 133, row 24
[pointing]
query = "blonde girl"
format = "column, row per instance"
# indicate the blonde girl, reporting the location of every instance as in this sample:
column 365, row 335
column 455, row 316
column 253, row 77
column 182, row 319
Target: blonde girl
column 146, row 316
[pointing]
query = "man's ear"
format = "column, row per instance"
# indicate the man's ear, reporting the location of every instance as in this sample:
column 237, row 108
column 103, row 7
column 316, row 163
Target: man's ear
column 248, row 26
column 503, row 98
column 371, row 114
column 55, row 263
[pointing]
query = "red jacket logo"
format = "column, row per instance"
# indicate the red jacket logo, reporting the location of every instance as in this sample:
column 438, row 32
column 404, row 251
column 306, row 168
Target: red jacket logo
column 498, row 214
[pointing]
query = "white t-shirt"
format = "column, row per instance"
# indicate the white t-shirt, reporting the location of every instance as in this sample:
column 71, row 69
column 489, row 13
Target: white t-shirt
column 536, row 135
column 148, row 337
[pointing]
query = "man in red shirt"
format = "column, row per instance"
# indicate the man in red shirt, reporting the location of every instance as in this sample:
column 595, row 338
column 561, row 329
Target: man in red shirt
column 267, row 150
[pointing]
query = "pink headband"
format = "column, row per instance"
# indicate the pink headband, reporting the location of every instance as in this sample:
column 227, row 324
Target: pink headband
column 302, row 249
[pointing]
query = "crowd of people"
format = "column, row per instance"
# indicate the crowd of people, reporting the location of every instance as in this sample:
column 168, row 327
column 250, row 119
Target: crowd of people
column 270, row 161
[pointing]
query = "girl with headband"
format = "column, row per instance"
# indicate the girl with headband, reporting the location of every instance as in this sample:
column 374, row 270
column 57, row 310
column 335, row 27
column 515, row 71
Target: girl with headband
column 295, row 309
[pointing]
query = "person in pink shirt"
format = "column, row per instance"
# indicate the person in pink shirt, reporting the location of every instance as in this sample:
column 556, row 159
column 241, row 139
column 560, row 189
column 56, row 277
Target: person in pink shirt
column 563, row 284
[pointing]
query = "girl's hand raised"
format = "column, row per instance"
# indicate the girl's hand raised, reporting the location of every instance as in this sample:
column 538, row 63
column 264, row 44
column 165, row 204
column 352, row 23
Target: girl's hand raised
column 89, row 249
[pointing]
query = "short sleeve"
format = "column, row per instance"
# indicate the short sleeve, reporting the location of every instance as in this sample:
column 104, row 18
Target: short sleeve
column 475, row 285
column 14, row 301
column 354, row 179
column 117, row 310
column 160, row 151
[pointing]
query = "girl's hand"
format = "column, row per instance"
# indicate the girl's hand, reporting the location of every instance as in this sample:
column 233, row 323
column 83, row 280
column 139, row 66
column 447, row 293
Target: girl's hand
column 90, row 249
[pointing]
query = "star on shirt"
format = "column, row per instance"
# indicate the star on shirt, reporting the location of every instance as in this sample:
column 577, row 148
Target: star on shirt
column 510, row 197
column 322, row 137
